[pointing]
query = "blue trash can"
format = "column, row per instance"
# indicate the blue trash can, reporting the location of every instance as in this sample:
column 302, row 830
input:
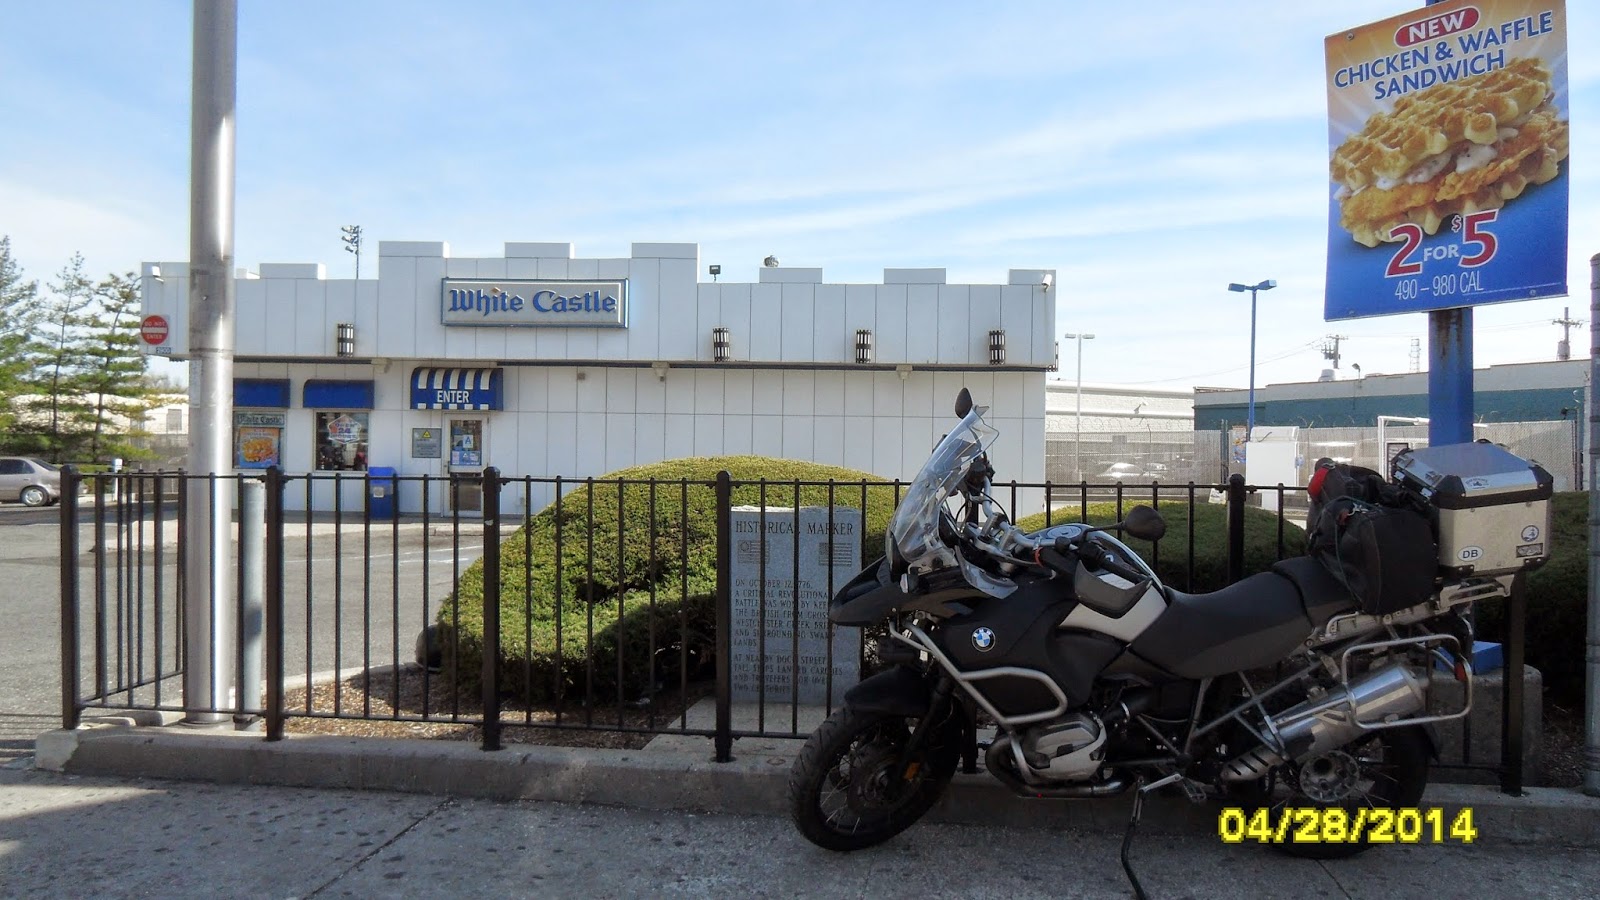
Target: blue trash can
column 381, row 487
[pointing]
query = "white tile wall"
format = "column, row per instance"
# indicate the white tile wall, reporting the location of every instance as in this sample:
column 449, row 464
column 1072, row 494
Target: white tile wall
column 831, row 339
column 869, row 419
column 955, row 327
column 313, row 330
column 798, row 322
column 890, row 334
column 922, row 323
column 765, row 325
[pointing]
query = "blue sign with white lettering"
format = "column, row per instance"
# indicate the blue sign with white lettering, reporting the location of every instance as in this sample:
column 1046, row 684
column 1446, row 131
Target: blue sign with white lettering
column 1448, row 137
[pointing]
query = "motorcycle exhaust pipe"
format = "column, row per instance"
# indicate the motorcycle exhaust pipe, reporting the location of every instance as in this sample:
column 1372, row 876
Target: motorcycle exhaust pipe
column 1322, row 724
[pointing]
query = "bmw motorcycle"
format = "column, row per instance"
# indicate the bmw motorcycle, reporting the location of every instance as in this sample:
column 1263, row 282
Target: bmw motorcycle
column 1088, row 677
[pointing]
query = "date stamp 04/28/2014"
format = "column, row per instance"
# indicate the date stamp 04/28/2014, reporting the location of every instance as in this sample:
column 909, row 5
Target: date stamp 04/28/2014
column 1335, row 825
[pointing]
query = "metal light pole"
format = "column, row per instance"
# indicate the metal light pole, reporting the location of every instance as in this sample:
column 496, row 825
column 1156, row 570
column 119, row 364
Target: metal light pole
column 352, row 243
column 1267, row 285
column 209, row 622
column 1077, row 442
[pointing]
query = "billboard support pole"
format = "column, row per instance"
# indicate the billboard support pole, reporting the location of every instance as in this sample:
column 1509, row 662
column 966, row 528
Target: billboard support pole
column 1450, row 376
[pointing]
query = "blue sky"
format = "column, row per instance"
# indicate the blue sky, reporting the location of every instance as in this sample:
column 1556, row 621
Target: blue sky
column 1151, row 153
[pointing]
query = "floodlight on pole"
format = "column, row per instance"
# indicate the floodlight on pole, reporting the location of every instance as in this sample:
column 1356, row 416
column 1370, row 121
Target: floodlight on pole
column 1267, row 285
column 1077, row 441
column 352, row 243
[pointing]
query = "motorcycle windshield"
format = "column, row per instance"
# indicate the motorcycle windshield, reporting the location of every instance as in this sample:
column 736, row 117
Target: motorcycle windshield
column 914, row 530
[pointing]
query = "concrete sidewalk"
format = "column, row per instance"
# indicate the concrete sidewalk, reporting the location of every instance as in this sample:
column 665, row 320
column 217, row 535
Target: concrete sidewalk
column 679, row 775
column 63, row 835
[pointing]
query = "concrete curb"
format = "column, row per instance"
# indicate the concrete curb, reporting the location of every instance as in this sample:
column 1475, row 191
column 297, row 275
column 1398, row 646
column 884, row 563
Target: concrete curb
column 754, row 783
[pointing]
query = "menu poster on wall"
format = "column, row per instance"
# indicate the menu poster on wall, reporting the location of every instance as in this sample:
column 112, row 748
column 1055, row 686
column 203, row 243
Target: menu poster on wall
column 257, row 439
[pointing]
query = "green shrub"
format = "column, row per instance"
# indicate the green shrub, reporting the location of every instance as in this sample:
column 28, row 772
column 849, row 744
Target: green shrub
column 1171, row 558
column 552, row 598
column 1558, row 597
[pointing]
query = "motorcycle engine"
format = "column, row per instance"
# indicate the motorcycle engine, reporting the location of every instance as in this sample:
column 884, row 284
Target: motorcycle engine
column 1067, row 749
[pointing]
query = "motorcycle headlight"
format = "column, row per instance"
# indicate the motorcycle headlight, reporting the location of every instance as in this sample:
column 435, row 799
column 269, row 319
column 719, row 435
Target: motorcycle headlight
column 897, row 561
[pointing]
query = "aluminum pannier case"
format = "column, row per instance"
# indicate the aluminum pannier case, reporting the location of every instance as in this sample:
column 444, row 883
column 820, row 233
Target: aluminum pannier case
column 1492, row 507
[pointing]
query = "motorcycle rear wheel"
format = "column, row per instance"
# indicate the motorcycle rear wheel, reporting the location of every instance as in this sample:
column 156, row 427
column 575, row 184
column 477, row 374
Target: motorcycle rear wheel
column 1391, row 772
column 847, row 791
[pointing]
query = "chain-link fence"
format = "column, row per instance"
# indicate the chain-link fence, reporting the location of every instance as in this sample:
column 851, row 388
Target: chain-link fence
column 1208, row 457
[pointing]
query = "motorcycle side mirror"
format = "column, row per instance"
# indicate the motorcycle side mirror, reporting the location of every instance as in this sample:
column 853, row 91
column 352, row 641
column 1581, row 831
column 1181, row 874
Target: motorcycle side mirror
column 1145, row 524
column 963, row 403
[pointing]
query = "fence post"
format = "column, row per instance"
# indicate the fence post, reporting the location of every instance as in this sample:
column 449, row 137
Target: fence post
column 1511, row 720
column 272, row 601
column 491, row 608
column 70, row 481
column 723, row 741
column 252, row 596
column 1235, row 527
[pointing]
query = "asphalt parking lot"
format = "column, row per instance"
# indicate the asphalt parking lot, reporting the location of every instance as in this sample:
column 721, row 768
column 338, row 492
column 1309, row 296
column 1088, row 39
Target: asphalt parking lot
column 366, row 602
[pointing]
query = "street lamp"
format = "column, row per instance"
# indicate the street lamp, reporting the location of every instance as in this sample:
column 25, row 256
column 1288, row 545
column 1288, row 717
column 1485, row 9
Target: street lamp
column 1269, row 284
column 1077, row 442
column 352, row 243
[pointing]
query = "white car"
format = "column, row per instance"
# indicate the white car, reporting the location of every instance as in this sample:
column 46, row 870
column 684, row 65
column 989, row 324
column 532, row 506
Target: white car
column 1123, row 472
column 32, row 481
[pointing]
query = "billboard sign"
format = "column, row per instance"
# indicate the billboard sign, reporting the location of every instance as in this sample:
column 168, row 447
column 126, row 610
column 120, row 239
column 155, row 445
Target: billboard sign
column 1447, row 134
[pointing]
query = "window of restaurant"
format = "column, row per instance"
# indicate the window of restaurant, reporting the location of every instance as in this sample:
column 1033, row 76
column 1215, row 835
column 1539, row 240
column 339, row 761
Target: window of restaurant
column 259, row 421
column 340, row 419
column 341, row 440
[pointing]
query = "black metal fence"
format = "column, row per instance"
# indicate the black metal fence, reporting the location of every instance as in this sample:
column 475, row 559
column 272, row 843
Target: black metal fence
column 626, row 605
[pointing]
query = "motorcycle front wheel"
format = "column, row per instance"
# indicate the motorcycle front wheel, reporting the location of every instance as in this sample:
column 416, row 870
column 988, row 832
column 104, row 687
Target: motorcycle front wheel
column 848, row 789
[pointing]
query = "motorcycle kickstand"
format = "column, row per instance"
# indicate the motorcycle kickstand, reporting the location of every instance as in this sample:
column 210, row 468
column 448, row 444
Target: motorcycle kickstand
column 1139, row 790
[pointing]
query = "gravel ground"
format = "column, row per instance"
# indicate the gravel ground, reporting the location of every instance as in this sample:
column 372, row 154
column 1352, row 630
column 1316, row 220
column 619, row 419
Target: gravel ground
column 430, row 697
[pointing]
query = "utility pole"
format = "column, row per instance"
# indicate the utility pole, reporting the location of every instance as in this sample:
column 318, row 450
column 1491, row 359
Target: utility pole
column 1330, row 347
column 1567, row 323
column 1416, row 354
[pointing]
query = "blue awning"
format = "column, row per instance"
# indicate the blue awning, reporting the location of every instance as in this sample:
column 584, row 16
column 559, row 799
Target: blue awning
column 337, row 395
column 258, row 393
column 456, row 389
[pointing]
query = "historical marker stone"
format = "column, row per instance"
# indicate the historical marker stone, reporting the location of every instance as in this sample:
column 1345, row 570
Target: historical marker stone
column 780, row 602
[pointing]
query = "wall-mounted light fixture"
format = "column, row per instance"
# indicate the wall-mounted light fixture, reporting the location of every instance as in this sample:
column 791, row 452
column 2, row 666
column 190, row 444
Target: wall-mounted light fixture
column 997, row 347
column 660, row 368
column 863, row 345
column 344, row 335
column 715, row 270
column 721, row 343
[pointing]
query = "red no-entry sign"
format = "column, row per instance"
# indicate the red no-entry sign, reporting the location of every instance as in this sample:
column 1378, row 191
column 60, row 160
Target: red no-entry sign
column 154, row 330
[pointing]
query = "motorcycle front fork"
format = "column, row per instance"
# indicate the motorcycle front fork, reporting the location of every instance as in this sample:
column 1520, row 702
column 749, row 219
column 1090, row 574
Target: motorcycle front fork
column 938, row 710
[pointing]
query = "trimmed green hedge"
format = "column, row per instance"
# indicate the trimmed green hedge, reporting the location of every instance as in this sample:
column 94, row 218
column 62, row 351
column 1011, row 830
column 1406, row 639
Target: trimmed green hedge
column 1210, row 569
column 546, row 620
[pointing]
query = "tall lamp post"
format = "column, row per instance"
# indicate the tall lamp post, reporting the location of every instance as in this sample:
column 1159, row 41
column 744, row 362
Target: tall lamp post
column 1267, row 285
column 352, row 243
column 1077, row 442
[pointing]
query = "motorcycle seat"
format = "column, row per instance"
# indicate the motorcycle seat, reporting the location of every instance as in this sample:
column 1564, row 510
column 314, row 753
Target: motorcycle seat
column 1324, row 595
column 1246, row 625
